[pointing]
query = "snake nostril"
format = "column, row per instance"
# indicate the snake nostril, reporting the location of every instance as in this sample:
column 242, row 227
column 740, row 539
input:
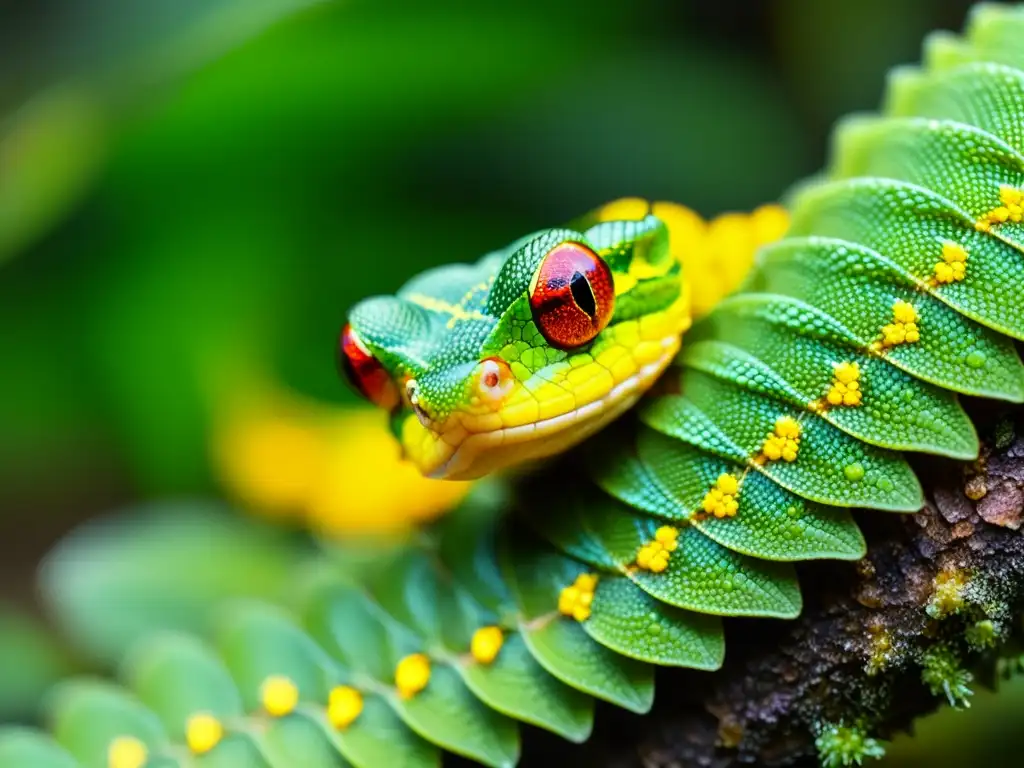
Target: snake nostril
column 421, row 414
column 412, row 394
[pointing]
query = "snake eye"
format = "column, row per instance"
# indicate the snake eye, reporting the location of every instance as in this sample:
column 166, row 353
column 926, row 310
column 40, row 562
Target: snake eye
column 364, row 372
column 572, row 296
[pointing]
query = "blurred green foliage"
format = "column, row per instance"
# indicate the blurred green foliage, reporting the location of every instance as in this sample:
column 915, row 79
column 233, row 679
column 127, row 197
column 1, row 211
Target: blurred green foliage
column 194, row 191
column 31, row 661
column 165, row 567
column 189, row 190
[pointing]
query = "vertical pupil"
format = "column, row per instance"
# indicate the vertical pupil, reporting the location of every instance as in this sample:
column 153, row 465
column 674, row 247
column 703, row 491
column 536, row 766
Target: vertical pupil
column 583, row 294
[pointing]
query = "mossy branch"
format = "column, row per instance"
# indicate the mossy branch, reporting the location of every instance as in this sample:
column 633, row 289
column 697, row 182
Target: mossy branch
column 933, row 607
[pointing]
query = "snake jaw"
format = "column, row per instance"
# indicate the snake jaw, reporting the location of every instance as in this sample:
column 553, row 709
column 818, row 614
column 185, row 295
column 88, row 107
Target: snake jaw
column 457, row 453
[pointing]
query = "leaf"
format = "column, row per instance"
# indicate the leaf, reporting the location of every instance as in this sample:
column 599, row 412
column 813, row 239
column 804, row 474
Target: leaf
column 987, row 96
column 380, row 737
column 800, row 346
column 771, row 522
column 959, row 162
column 344, row 621
column 702, row 575
column 858, row 287
column 178, row 676
column 743, row 420
column 995, row 32
column 299, row 740
column 466, row 545
column 353, row 623
column 447, row 714
column 86, row 716
column 421, row 598
column 516, row 685
column 562, row 647
column 631, row 622
column 24, row 747
column 260, row 641
column 908, row 225
column 236, row 749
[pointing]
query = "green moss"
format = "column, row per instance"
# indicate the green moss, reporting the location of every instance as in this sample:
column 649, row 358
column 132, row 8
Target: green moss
column 983, row 635
column 942, row 673
column 841, row 745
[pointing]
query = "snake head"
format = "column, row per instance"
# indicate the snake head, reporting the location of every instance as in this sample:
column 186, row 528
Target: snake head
column 524, row 353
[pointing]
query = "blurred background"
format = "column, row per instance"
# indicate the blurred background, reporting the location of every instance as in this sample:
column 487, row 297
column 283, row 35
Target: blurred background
column 192, row 192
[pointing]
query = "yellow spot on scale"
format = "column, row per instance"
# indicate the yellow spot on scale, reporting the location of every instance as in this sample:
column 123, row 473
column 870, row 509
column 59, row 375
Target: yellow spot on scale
column 412, row 675
column 279, row 696
column 654, row 555
column 1011, row 209
column 576, row 599
column 344, row 705
column 953, row 267
column 203, row 732
column 721, row 501
column 845, row 388
column 486, row 644
column 127, row 752
column 903, row 328
column 784, row 442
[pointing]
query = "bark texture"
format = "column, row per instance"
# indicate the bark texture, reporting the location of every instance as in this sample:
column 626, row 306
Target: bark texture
column 940, row 592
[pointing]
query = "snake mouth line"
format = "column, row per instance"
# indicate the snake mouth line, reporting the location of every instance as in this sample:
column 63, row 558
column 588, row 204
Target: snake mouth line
column 475, row 455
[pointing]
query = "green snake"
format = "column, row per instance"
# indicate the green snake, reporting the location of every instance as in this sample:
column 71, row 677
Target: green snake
column 899, row 287
column 525, row 353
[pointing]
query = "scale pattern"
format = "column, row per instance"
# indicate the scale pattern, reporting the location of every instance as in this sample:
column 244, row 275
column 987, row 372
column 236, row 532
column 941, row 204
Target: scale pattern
column 899, row 286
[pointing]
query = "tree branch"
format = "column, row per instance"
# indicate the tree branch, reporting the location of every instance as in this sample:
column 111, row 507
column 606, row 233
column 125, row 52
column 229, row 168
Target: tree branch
column 937, row 589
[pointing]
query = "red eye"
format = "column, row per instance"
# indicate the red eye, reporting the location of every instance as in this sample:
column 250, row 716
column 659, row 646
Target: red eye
column 573, row 295
column 366, row 375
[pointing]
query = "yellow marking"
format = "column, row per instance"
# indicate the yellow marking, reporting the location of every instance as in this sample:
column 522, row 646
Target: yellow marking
column 576, row 599
column 486, row 644
column 721, row 501
column 654, row 555
column 784, row 442
column 903, row 329
column 344, row 705
column 845, row 388
column 279, row 696
column 1012, row 209
column 478, row 288
column 127, row 752
column 456, row 311
column 412, row 675
column 953, row 267
column 203, row 732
